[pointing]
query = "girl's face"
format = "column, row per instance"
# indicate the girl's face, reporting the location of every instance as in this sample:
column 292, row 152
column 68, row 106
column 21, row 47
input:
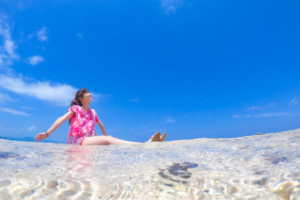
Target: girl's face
column 87, row 98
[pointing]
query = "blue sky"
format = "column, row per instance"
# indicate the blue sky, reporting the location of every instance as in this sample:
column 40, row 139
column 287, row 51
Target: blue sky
column 191, row 68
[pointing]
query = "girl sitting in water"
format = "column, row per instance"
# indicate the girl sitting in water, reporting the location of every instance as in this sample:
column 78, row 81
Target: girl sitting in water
column 82, row 121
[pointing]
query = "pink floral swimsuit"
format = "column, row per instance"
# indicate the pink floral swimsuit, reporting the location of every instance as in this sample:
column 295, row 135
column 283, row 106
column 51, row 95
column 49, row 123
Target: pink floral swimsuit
column 82, row 124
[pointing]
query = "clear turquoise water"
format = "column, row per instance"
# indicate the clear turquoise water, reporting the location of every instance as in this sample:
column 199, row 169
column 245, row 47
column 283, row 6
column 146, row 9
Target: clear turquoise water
column 255, row 167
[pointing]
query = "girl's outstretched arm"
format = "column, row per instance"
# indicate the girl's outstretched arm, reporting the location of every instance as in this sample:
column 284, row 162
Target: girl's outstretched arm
column 102, row 127
column 55, row 126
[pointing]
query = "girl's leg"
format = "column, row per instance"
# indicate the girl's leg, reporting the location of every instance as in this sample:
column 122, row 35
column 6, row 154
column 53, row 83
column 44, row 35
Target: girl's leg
column 105, row 140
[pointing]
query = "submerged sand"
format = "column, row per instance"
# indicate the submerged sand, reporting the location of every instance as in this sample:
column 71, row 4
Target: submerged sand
column 253, row 167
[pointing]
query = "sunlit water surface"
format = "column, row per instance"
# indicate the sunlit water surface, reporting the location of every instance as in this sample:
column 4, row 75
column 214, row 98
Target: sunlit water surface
column 255, row 167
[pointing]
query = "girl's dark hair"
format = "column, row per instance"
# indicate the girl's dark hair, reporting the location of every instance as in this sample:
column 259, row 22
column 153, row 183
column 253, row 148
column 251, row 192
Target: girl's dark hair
column 76, row 101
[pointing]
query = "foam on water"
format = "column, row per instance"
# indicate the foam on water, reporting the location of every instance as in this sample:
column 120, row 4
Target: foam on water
column 255, row 167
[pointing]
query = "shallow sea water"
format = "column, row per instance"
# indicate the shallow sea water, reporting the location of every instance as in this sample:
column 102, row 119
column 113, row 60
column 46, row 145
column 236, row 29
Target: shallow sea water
column 254, row 167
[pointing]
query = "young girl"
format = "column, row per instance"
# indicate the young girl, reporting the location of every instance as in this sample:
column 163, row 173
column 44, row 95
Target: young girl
column 82, row 121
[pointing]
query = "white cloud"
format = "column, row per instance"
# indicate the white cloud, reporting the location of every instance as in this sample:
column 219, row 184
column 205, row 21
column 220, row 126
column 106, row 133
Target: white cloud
column 42, row 34
column 34, row 60
column 273, row 114
column 171, row 5
column 170, row 120
column 7, row 46
column 294, row 101
column 14, row 112
column 31, row 128
column 59, row 94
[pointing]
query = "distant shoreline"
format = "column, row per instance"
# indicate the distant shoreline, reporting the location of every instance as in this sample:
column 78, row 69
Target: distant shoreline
column 28, row 139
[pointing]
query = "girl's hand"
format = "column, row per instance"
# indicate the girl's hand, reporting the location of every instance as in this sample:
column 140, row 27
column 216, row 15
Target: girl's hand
column 41, row 136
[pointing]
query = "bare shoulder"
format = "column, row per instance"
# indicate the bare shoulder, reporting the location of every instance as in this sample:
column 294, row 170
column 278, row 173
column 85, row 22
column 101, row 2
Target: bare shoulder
column 68, row 115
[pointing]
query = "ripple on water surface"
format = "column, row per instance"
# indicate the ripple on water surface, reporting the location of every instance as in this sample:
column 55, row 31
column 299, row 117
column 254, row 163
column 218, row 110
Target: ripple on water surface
column 254, row 167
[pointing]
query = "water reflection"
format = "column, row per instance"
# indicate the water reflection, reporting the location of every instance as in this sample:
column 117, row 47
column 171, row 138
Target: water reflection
column 79, row 159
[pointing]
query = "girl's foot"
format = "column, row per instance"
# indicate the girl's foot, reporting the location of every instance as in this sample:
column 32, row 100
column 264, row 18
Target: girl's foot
column 155, row 137
column 163, row 137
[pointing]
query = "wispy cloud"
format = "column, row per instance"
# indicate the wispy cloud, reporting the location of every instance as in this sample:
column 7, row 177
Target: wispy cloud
column 59, row 94
column 271, row 104
column 281, row 114
column 7, row 46
column 265, row 115
column 171, row 5
column 31, row 128
column 79, row 35
column 236, row 116
column 294, row 101
column 135, row 100
column 5, row 98
column 27, row 108
column 241, row 116
column 251, row 108
column 14, row 112
column 42, row 34
column 170, row 120
column 34, row 60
